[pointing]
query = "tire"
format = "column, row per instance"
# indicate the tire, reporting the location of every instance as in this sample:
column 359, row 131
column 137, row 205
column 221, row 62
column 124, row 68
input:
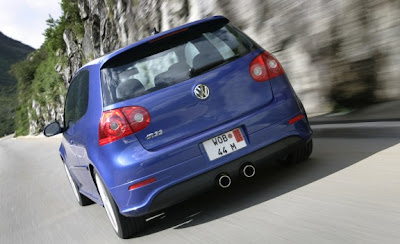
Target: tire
column 124, row 227
column 82, row 200
column 300, row 154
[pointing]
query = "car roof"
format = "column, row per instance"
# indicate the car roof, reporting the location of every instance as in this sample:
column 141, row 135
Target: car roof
column 100, row 61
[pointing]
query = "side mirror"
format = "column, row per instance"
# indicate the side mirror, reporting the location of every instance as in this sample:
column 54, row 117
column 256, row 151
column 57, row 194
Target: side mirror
column 52, row 129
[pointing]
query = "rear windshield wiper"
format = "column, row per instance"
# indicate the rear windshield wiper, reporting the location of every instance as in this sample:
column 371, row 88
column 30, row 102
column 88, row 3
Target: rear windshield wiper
column 193, row 72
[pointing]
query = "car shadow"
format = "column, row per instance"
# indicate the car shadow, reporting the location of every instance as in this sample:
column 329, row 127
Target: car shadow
column 271, row 181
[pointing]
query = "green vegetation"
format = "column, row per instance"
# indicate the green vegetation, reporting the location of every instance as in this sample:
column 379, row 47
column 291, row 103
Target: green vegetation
column 11, row 51
column 70, row 19
column 38, row 81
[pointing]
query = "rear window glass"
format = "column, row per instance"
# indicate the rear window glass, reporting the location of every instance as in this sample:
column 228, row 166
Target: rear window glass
column 173, row 64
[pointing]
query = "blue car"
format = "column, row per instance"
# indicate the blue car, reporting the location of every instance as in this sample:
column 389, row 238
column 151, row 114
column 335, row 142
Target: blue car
column 172, row 115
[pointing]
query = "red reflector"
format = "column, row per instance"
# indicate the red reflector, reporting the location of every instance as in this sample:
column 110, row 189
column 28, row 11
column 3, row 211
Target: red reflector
column 142, row 183
column 295, row 119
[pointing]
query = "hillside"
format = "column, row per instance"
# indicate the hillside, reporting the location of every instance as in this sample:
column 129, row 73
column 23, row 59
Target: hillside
column 339, row 55
column 11, row 51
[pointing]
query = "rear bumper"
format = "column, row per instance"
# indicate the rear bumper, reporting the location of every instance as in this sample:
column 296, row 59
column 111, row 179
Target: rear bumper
column 189, row 177
column 183, row 169
column 195, row 174
column 201, row 183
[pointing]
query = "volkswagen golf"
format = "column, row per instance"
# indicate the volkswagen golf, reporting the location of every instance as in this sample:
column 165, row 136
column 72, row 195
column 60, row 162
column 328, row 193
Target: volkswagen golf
column 174, row 114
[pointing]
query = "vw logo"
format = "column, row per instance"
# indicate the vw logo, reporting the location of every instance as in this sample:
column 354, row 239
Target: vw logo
column 201, row 91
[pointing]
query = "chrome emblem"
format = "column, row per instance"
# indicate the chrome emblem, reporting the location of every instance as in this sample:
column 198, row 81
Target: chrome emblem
column 201, row 91
column 154, row 134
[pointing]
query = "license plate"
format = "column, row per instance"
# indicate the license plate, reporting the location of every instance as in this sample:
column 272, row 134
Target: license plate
column 224, row 144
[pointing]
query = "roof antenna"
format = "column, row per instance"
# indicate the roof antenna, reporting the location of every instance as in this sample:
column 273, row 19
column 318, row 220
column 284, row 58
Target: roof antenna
column 155, row 31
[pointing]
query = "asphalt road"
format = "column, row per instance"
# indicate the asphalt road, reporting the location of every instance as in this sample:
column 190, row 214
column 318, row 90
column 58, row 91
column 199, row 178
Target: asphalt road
column 347, row 192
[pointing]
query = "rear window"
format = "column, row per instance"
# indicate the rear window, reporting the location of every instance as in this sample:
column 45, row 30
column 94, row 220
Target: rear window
column 171, row 62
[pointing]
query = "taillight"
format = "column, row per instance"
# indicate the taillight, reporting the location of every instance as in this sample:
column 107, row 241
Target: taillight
column 138, row 117
column 121, row 122
column 265, row 67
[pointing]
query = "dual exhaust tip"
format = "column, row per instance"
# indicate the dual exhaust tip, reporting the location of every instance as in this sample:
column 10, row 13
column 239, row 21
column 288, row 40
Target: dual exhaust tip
column 248, row 170
column 224, row 180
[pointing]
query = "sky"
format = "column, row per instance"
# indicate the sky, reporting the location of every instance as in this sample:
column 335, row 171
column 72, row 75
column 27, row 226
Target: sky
column 25, row 20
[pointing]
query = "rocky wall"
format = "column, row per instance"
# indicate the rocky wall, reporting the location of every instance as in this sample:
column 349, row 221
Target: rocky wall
column 337, row 53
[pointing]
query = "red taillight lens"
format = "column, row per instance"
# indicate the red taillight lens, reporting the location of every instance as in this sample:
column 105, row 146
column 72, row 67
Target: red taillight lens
column 138, row 117
column 265, row 67
column 258, row 69
column 119, row 123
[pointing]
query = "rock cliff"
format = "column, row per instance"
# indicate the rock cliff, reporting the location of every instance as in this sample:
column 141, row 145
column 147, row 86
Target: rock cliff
column 337, row 53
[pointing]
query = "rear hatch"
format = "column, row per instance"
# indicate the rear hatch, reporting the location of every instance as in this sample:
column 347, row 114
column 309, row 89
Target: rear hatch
column 164, row 77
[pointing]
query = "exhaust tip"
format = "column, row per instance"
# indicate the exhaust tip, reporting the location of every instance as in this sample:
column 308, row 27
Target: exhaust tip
column 224, row 180
column 248, row 170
